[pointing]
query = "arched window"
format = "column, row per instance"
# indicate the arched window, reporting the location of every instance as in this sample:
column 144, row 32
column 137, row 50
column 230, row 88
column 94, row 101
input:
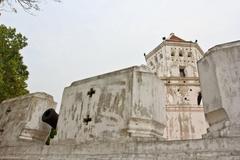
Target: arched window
column 189, row 54
column 182, row 71
column 172, row 53
column 180, row 53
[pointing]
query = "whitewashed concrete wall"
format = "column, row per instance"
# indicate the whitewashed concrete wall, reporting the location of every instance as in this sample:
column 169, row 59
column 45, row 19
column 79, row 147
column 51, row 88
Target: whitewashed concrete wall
column 185, row 123
column 167, row 57
column 221, row 147
column 126, row 103
column 220, row 81
column 20, row 119
column 185, row 118
column 207, row 149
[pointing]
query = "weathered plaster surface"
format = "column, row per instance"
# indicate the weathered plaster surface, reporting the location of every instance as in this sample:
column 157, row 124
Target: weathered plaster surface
column 207, row 149
column 185, row 118
column 222, row 142
column 125, row 103
column 20, row 119
column 220, row 78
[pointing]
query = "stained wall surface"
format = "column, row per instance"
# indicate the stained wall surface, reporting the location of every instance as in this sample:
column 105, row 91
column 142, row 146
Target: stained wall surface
column 220, row 80
column 119, row 104
column 174, row 61
column 207, row 149
column 219, row 143
column 20, row 119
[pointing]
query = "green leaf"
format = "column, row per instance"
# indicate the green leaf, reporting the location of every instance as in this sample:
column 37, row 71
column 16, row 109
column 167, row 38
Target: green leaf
column 13, row 73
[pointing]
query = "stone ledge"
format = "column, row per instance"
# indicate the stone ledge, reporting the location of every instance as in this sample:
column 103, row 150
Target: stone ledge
column 214, row 149
column 42, row 95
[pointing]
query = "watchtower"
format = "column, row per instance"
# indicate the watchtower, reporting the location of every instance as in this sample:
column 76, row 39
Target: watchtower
column 175, row 62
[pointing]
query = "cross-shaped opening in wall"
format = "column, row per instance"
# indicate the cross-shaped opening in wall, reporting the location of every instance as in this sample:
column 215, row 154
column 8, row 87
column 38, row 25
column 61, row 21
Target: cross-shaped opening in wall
column 91, row 92
column 87, row 119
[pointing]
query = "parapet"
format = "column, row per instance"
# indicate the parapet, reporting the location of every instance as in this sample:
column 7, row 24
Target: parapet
column 21, row 119
column 219, row 71
column 121, row 104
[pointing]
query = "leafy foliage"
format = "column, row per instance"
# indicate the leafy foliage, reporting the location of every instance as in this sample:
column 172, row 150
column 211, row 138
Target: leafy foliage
column 51, row 135
column 13, row 73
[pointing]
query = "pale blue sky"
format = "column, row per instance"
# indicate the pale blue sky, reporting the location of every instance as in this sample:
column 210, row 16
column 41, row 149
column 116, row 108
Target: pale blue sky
column 73, row 40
